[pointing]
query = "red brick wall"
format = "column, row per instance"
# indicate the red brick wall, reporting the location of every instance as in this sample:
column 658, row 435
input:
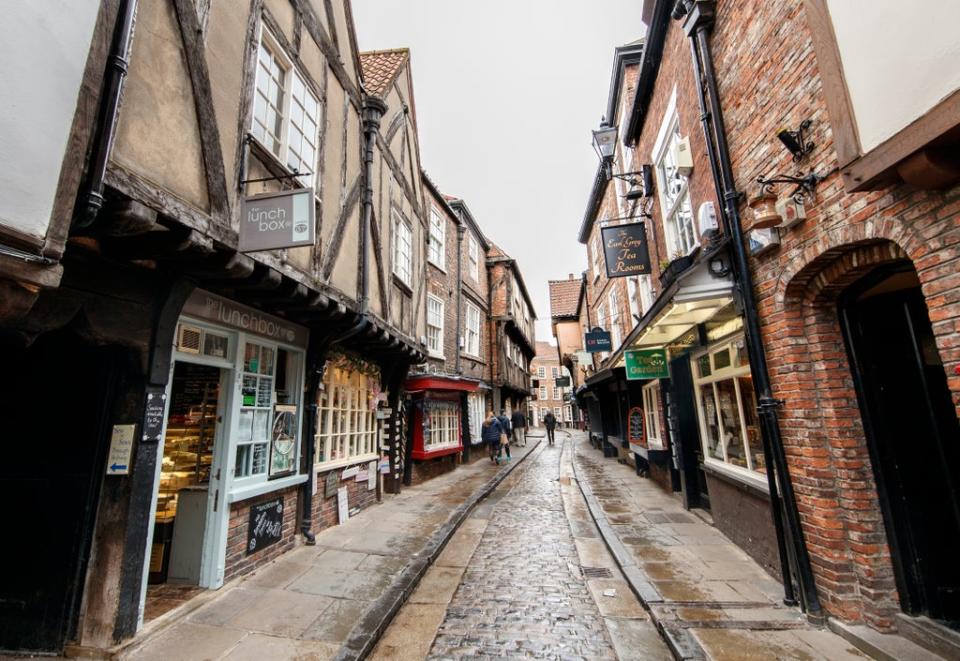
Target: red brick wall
column 425, row 469
column 238, row 562
column 325, row 509
column 769, row 78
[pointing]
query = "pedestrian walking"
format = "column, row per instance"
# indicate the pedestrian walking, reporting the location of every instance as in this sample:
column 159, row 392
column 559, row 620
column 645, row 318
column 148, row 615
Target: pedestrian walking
column 507, row 430
column 492, row 433
column 550, row 422
column 519, row 421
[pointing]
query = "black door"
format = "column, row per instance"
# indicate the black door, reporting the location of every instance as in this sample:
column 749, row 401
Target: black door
column 53, row 399
column 912, row 434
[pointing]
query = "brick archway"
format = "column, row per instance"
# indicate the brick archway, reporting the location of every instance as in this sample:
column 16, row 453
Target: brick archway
column 824, row 437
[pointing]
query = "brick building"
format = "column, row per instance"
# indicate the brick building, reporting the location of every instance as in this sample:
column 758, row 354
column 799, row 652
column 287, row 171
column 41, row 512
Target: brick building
column 448, row 394
column 511, row 332
column 545, row 369
column 847, row 332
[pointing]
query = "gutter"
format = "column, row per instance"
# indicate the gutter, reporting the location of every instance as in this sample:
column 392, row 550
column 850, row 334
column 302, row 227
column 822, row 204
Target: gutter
column 117, row 64
column 649, row 66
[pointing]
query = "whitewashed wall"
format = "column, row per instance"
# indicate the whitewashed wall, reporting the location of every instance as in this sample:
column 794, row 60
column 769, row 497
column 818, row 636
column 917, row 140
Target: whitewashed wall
column 42, row 56
column 899, row 60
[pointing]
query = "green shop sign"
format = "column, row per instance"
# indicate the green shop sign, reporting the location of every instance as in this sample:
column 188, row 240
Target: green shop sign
column 646, row 364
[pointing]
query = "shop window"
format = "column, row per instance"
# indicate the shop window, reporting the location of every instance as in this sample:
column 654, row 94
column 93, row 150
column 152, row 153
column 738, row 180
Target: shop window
column 567, row 414
column 651, row 414
column 346, row 419
column 441, row 425
column 726, row 406
column 286, row 113
column 267, row 428
column 472, row 335
column 558, row 413
column 435, row 326
column 476, row 403
column 438, row 237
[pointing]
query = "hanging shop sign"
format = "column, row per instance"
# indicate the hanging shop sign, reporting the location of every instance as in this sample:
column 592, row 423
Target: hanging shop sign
column 625, row 250
column 277, row 220
column 635, row 426
column 210, row 307
column 597, row 340
column 646, row 364
column 562, row 382
column 266, row 525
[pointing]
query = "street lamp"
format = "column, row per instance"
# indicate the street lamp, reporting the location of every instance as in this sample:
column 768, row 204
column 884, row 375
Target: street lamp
column 604, row 143
column 605, row 140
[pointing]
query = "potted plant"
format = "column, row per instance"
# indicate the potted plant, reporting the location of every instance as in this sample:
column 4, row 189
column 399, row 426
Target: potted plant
column 677, row 265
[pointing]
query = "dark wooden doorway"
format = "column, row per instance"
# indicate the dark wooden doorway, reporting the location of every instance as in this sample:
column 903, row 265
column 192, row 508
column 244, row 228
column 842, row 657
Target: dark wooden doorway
column 54, row 403
column 912, row 434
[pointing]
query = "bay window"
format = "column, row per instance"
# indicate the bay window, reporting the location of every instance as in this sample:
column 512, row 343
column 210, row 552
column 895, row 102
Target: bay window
column 346, row 416
column 441, row 424
column 726, row 407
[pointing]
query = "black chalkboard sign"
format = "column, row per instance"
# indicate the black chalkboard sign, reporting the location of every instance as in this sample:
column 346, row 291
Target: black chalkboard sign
column 635, row 426
column 153, row 416
column 266, row 525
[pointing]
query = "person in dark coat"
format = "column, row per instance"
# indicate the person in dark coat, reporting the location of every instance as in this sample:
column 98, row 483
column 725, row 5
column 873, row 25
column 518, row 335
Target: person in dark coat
column 519, row 422
column 491, row 433
column 550, row 422
column 507, row 431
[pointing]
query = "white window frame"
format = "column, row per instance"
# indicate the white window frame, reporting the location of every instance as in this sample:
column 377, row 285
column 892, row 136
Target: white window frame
column 682, row 239
column 402, row 249
column 444, row 424
column 615, row 330
column 597, row 253
column 558, row 413
column 472, row 335
column 541, row 372
column 543, row 393
column 344, row 413
column 557, row 395
column 435, row 323
column 554, row 372
column 437, row 249
column 281, row 145
column 738, row 367
column 473, row 256
column 651, row 415
column 567, row 413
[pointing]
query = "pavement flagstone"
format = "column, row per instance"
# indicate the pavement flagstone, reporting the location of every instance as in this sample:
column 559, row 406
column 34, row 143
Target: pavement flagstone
column 331, row 600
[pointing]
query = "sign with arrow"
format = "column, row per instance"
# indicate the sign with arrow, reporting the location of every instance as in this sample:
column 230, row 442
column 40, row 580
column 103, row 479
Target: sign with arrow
column 121, row 447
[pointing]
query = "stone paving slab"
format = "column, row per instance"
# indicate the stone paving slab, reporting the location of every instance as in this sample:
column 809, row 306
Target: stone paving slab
column 332, row 600
column 706, row 595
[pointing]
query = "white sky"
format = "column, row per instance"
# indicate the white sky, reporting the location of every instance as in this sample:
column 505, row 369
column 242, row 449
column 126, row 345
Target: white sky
column 506, row 93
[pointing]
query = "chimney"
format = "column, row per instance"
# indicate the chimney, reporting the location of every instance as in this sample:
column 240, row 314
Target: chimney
column 569, row 276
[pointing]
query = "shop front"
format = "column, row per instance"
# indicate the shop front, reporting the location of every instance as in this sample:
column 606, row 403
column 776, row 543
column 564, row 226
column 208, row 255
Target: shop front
column 225, row 493
column 441, row 414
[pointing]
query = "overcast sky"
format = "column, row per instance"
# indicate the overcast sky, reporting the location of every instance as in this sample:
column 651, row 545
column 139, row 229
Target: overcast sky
column 506, row 94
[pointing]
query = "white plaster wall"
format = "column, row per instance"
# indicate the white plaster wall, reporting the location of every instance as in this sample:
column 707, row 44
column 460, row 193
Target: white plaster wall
column 899, row 60
column 42, row 56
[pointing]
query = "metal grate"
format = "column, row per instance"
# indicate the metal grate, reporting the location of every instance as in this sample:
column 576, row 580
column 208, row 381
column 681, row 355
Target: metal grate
column 596, row 572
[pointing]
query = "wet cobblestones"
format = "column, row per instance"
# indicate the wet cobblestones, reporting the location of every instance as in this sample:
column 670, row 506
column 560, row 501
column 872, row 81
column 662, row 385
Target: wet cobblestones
column 522, row 594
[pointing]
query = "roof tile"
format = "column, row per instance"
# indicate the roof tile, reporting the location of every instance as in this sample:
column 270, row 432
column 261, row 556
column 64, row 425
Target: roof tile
column 380, row 68
column 564, row 297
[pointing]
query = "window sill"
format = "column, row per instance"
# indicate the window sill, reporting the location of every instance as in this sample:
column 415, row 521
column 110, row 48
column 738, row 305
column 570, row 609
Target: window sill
column 740, row 477
column 433, row 453
column 398, row 281
column 326, row 467
column 273, row 163
column 260, row 488
column 437, row 356
column 436, row 266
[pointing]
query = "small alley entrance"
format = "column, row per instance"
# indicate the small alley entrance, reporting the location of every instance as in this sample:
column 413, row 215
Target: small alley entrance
column 912, row 432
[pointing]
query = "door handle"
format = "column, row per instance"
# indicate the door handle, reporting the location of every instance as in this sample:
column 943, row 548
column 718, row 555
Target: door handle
column 216, row 499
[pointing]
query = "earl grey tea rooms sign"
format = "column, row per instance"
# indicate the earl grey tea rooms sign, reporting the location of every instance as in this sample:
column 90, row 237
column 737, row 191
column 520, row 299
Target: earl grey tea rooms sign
column 625, row 250
column 277, row 220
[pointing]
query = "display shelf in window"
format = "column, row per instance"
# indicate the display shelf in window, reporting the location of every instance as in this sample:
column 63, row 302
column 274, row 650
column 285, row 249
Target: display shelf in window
column 436, row 425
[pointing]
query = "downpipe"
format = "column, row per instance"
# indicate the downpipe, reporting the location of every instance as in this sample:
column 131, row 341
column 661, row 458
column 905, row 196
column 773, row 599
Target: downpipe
column 118, row 63
column 791, row 543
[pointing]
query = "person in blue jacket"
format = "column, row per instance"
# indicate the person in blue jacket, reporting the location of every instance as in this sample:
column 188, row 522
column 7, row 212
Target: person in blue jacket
column 491, row 433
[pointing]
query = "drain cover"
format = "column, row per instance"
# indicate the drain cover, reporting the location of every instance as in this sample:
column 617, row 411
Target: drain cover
column 596, row 572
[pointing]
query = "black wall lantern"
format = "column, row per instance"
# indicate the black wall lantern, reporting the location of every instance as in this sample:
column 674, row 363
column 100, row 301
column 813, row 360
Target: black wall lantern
column 604, row 143
column 796, row 141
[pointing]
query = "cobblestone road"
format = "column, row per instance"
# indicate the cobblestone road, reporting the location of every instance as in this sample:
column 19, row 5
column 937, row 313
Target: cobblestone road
column 522, row 593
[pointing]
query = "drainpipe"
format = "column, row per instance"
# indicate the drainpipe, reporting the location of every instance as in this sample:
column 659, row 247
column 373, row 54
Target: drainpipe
column 775, row 500
column 373, row 109
column 460, row 232
column 117, row 63
column 698, row 24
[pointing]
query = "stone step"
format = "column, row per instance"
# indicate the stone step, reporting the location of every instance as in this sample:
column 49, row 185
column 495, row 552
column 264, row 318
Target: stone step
column 883, row 646
column 930, row 635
